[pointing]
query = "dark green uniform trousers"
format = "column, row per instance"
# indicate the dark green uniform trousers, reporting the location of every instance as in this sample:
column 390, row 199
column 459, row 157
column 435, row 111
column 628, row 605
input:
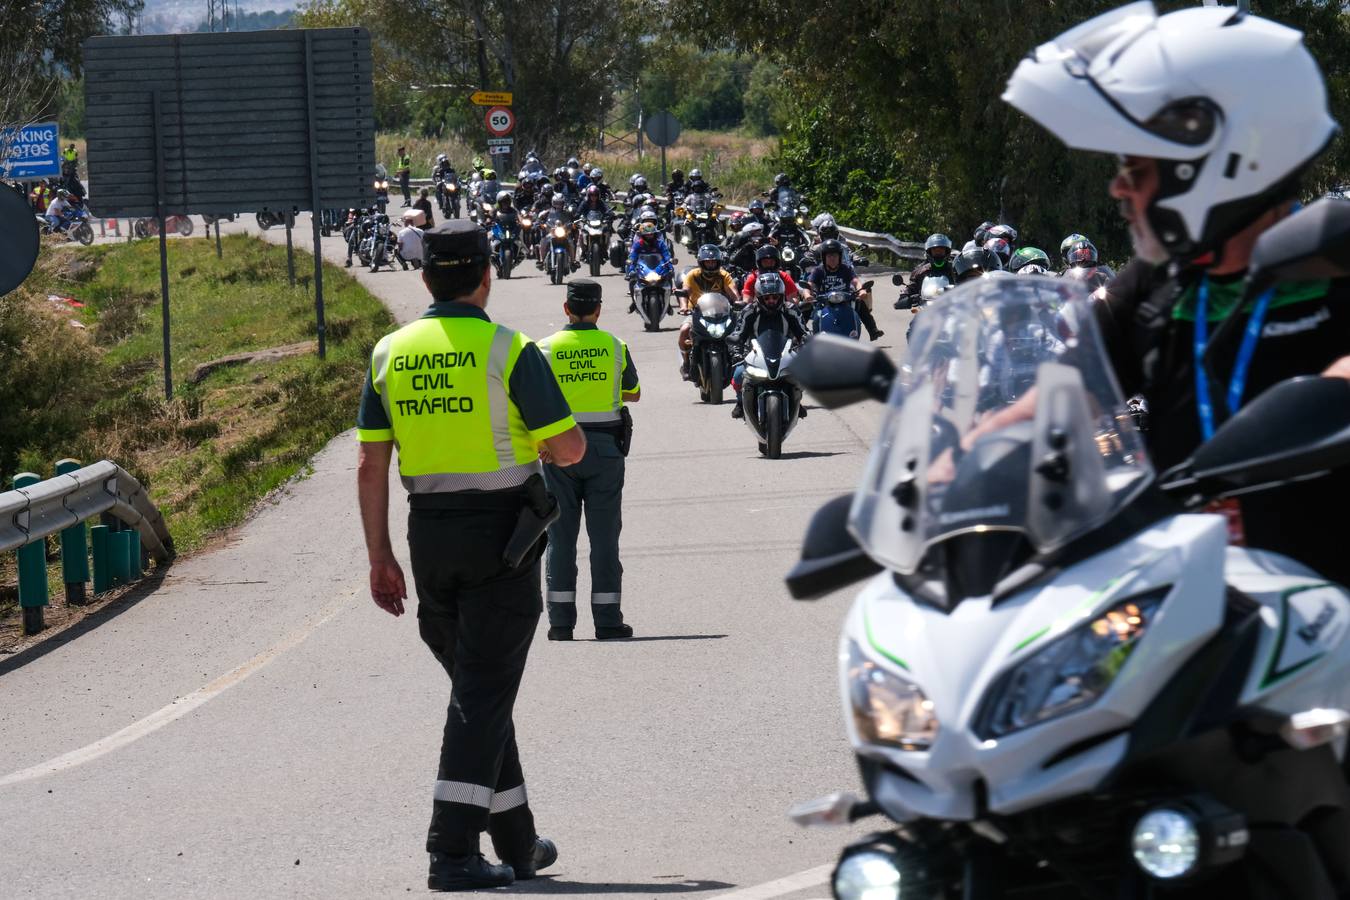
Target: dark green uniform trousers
column 478, row 618
column 595, row 486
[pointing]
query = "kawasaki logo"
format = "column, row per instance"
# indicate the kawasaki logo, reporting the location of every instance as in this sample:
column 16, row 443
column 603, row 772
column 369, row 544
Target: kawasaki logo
column 1310, row 632
column 1298, row 326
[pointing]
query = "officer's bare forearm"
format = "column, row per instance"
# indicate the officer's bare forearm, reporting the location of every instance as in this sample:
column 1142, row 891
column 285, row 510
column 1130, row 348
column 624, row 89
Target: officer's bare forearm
column 372, row 491
column 568, row 448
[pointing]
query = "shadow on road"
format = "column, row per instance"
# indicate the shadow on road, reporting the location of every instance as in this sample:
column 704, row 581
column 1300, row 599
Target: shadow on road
column 666, row 637
column 808, row 454
column 110, row 610
column 547, row 884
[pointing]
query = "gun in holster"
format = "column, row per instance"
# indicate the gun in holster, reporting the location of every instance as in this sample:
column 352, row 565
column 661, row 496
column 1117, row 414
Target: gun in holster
column 539, row 512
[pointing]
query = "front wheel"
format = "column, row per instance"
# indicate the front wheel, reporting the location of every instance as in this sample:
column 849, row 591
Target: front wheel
column 504, row 265
column 83, row 233
column 716, row 377
column 597, row 252
column 377, row 257
column 655, row 305
column 773, row 426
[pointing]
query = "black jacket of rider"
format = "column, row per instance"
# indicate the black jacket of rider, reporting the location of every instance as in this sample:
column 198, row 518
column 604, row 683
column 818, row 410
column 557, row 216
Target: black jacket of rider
column 915, row 284
column 756, row 319
column 1147, row 318
column 603, row 207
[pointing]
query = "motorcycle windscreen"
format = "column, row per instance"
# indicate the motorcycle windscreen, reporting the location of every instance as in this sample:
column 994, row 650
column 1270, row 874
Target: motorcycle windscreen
column 650, row 260
column 713, row 306
column 772, row 346
column 1005, row 416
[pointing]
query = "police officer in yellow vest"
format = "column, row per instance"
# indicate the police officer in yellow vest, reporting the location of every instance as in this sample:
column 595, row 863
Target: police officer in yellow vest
column 473, row 409
column 597, row 375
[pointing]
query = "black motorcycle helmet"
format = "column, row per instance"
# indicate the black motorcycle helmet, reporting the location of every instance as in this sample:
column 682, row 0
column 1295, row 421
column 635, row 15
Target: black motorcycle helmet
column 973, row 263
column 982, row 233
column 781, row 180
column 1000, row 248
column 769, row 290
column 937, row 249
column 1006, row 232
column 710, row 258
column 756, row 206
column 767, row 252
column 677, row 176
column 828, row 247
column 640, row 185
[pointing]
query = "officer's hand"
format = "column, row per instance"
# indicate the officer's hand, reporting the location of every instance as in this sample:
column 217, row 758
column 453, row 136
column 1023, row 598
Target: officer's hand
column 387, row 587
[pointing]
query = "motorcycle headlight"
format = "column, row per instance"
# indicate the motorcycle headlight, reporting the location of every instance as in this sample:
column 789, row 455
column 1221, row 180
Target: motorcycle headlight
column 1071, row 672
column 888, row 710
column 715, row 329
column 867, row 874
column 525, row 223
column 1166, row 843
column 801, row 220
column 560, row 232
column 651, row 278
column 757, row 372
column 454, row 188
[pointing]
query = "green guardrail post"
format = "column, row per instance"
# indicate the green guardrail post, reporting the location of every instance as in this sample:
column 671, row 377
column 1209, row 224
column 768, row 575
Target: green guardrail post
column 74, row 550
column 98, row 542
column 134, row 565
column 119, row 550
column 32, row 559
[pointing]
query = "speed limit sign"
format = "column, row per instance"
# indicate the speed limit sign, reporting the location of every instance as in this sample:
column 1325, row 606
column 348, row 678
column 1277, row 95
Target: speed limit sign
column 500, row 121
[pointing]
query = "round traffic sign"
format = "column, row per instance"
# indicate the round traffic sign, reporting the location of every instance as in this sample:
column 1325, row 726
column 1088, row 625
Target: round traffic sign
column 500, row 121
column 662, row 128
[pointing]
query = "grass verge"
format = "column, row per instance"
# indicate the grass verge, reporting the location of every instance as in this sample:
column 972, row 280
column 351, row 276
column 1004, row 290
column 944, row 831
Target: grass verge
column 89, row 384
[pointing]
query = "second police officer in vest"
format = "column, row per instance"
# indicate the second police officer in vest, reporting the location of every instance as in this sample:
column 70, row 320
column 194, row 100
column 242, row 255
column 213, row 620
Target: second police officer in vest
column 597, row 375
column 473, row 409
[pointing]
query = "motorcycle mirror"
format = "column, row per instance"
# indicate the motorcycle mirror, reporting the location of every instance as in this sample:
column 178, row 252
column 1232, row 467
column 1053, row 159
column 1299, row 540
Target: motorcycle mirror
column 1295, row 429
column 867, row 285
column 19, row 234
column 898, row 278
column 1313, row 243
column 831, row 558
column 839, row 372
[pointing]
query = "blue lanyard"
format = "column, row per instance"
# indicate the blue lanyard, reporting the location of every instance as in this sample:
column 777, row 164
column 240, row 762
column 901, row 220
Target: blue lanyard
column 1241, row 366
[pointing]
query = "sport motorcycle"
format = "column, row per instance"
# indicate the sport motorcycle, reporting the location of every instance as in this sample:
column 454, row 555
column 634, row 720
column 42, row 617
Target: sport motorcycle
column 1060, row 680
column 770, row 398
column 650, row 287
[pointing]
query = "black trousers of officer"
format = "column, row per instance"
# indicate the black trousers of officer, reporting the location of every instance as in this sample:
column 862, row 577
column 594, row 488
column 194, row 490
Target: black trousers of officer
column 478, row 618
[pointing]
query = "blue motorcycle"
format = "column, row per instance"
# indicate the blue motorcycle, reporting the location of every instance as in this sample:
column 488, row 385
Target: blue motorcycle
column 837, row 313
column 505, row 246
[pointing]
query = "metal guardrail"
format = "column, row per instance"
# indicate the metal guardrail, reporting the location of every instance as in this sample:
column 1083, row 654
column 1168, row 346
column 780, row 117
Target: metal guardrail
column 36, row 509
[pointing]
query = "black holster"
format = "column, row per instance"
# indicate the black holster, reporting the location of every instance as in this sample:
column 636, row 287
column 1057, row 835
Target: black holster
column 625, row 435
column 539, row 512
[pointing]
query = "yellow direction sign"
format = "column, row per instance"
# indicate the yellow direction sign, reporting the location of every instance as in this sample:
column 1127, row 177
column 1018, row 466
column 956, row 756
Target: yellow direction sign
column 491, row 98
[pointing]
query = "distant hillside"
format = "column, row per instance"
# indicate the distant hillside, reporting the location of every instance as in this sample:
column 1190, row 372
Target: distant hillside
column 181, row 16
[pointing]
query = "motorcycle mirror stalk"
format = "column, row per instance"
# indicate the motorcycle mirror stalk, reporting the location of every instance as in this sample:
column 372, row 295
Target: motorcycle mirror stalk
column 833, row 810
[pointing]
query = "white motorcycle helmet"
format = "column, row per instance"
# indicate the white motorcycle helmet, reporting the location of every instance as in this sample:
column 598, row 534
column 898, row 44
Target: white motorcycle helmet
column 1232, row 105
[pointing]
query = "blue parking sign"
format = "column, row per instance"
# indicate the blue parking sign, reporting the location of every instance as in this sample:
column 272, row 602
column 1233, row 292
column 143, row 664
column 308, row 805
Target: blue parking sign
column 30, row 152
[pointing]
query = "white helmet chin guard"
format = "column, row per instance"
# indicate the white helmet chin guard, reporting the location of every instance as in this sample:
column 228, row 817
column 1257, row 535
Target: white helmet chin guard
column 1232, row 105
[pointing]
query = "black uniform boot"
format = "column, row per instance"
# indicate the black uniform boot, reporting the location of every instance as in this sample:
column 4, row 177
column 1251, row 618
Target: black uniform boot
column 613, row 632
column 542, row 854
column 466, row 873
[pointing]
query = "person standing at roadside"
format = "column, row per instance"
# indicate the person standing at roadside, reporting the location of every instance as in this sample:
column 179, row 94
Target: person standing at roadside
column 474, row 410
column 597, row 375
column 405, row 175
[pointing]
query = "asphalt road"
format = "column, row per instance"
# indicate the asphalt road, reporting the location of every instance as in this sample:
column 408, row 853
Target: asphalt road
column 251, row 725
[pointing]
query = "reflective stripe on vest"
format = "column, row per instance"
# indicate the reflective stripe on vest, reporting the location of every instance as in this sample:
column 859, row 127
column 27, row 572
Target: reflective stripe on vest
column 443, row 382
column 588, row 364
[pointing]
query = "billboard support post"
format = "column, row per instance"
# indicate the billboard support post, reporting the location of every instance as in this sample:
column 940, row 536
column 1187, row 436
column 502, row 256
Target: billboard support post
column 163, row 241
column 316, row 199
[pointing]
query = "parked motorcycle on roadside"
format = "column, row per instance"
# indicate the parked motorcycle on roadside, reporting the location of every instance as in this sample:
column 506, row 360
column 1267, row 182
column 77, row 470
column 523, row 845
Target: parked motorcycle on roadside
column 149, row 226
column 380, row 244
column 1062, row 681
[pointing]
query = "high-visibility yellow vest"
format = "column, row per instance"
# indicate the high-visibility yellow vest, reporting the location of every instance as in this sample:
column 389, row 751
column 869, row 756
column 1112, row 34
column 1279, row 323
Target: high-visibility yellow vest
column 69, row 154
column 443, row 381
column 588, row 364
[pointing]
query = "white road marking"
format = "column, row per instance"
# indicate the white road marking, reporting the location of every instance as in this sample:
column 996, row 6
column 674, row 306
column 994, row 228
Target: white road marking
column 175, row 710
column 783, row 886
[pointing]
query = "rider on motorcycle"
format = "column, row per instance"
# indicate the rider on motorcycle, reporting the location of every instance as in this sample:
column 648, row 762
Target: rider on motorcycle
column 563, row 186
column 767, row 259
column 1000, row 248
column 594, row 200
column 525, row 195
column 708, row 278
column 598, row 180
column 677, row 187
column 490, row 187
column 696, row 183
column 648, row 240
column 769, row 312
column 558, row 214
column 1197, row 195
column 755, row 212
column 834, row 274
column 781, row 195
column 937, row 253
column 974, row 263
column 1084, row 267
column 58, row 209
column 1029, row 257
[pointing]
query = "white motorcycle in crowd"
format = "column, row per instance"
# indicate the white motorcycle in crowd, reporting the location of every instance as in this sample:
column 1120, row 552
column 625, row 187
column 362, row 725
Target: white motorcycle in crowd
column 770, row 398
column 1062, row 681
